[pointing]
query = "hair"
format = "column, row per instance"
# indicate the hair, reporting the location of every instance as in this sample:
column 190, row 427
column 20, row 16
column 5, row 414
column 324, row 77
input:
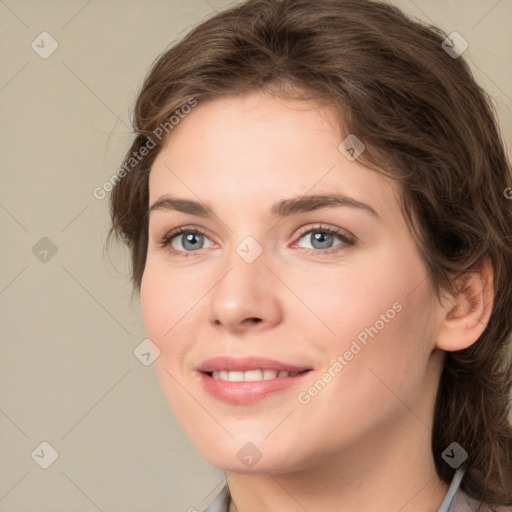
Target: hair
column 425, row 123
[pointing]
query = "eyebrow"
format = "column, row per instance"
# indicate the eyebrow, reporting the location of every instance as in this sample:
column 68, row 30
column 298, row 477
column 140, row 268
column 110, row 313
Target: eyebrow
column 283, row 208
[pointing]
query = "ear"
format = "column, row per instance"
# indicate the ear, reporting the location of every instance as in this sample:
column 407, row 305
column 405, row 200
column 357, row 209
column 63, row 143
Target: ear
column 465, row 316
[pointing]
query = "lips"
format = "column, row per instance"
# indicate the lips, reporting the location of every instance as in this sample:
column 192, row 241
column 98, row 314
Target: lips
column 236, row 380
column 243, row 364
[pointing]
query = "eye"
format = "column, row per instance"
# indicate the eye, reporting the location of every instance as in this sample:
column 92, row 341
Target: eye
column 322, row 239
column 184, row 240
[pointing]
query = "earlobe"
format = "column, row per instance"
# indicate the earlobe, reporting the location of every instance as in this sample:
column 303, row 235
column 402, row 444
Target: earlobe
column 465, row 317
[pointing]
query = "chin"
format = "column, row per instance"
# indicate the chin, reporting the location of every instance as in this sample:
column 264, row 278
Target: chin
column 242, row 456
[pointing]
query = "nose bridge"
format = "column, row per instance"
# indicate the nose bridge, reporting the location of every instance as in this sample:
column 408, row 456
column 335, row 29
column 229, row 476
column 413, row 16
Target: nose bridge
column 246, row 271
column 244, row 291
column 246, row 263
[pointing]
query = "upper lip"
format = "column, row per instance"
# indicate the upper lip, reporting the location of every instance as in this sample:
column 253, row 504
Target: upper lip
column 242, row 364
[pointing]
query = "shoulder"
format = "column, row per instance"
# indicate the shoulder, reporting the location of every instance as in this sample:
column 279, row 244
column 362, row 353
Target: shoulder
column 465, row 503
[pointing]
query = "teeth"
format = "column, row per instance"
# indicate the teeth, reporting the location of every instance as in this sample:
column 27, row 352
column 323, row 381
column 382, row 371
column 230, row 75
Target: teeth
column 251, row 375
column 269, row 374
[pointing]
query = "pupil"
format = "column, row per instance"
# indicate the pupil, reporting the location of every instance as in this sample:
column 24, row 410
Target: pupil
column 189, row 239
column 322, row 238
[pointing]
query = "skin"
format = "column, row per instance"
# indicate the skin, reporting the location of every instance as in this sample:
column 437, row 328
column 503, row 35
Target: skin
column 363, row 442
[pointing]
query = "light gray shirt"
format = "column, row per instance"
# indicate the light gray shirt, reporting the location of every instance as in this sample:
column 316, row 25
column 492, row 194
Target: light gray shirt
column 455, row 499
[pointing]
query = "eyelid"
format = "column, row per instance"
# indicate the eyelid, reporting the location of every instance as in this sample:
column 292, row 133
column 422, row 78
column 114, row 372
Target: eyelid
column 188, row 227
column 344, row 234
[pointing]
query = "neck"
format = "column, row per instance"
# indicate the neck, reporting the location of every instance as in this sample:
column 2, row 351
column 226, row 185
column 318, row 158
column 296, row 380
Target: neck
column 393, row 471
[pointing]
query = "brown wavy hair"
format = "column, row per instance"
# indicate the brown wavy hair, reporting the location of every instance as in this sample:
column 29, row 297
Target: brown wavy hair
column 425, row 122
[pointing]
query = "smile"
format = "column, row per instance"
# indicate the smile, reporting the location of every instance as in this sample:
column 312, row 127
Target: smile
column 248, row 387
column 251, row 375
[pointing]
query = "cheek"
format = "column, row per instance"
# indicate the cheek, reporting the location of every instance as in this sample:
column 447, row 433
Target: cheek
column 153, row 304
column 353, row 298
column 379, row 316
column 165, row 301
column 385, row 344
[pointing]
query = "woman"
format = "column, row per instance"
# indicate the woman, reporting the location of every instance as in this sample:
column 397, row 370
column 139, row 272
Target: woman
column 316, row 208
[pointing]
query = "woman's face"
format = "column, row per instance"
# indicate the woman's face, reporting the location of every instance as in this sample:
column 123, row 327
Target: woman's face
column 303, row 258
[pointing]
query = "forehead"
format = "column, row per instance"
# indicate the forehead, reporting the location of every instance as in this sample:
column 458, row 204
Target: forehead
column 257, row 148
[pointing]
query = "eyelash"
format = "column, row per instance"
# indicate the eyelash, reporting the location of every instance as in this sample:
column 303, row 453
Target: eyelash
column 166, row 240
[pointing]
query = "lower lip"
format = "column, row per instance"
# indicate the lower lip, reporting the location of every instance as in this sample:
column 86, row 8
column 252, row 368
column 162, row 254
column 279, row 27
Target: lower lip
column 248, row 392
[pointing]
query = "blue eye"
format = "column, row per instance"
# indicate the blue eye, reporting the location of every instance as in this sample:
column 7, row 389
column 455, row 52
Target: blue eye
column 185, row 241
column 190, row 240
column 322, row 238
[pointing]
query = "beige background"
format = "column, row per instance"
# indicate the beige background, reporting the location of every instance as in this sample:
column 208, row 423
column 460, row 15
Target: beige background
column 68, row 373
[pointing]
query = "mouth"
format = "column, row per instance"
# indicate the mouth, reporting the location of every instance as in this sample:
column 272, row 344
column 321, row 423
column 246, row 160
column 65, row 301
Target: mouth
column 252, row 375
column 247, row 380
column 248, row 364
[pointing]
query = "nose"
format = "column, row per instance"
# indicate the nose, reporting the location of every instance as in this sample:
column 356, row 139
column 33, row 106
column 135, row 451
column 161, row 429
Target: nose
column 245, row 297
